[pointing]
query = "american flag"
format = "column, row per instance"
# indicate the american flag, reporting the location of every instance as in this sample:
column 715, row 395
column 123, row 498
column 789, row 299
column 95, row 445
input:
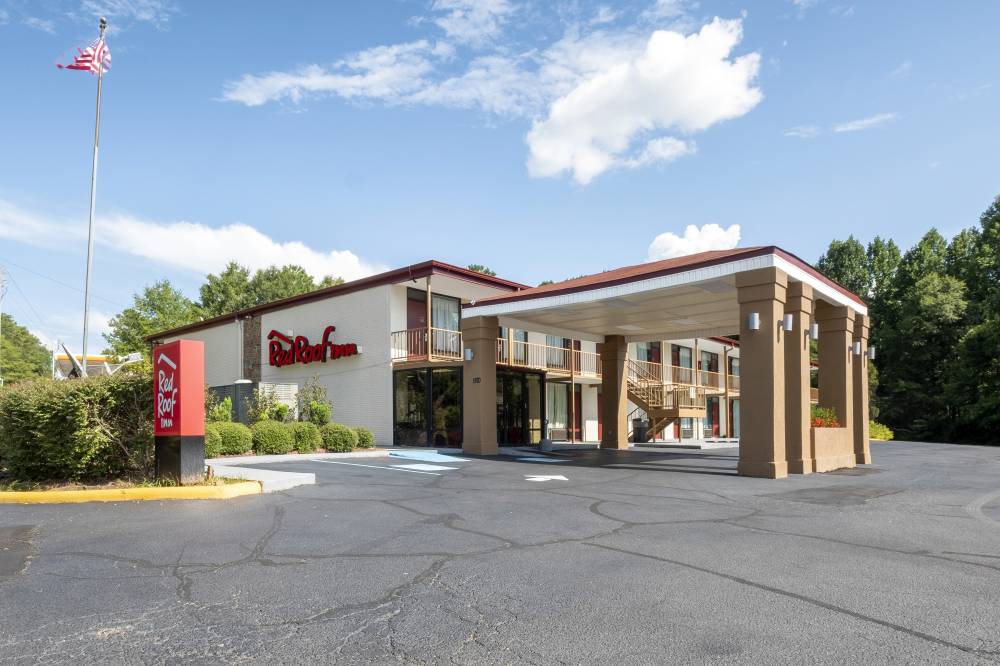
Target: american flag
column 91, row 59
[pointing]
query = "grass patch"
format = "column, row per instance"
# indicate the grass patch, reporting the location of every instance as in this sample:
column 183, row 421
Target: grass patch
column 13, row 485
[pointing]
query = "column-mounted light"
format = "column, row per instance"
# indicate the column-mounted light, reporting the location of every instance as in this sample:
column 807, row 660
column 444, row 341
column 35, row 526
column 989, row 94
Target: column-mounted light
column 468, row 354
column 814, row 331
column 871, row 353
column 857, row 347
column 788, row 323
column 753, row 321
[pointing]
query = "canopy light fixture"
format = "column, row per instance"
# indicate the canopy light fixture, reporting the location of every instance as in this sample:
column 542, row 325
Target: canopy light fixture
column 857, row 348
column 468, row 354
column 871, row 353
column 814, row 331
column 753, row 321
column 788, row 323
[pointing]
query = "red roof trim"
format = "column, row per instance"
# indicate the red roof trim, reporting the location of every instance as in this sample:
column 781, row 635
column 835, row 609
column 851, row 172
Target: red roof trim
column 749, row 253
column 413, row 271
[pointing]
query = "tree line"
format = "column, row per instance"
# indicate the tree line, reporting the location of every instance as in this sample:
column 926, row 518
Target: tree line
column 935, row 324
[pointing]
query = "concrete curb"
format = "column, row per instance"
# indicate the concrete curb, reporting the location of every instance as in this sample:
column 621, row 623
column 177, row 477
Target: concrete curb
column 131, row 494
column 295, row 457
column 270, row 480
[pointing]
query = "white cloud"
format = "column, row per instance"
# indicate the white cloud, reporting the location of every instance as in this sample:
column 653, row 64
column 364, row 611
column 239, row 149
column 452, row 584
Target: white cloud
column 4, row 17
column 383, row 72
column 190, row 246
column 803, row 4
column 803, row 131
column 866, row 123
column 599, row 98
column 843, row 11
column 679, row 83
column 603, row 15
column 664, row 9
column 472, row 22
column 903, row 69
column 156, row 12
column 40, row 24
column 707, row 237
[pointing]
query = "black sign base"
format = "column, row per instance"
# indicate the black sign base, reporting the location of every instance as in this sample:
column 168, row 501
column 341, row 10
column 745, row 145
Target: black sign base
column 181, row 458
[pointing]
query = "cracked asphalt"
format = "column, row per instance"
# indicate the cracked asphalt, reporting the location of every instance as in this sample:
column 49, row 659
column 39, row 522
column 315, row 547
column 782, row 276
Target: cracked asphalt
column 639, row 557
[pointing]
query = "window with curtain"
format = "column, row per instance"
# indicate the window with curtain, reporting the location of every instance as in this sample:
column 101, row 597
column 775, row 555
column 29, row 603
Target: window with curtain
column 445, row 313
column 557, row 406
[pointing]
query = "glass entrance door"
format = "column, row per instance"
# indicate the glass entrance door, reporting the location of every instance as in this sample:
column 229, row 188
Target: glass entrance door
column 519, row 408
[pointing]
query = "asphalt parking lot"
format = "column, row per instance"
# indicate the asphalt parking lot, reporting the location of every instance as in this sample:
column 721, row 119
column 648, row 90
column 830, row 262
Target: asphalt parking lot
column 639, row 557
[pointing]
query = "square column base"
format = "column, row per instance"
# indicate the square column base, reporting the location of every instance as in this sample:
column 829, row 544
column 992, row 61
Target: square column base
column 615, row 446
column 181, row 458
column 863, row 458
column 801, row 466
column 763, row 470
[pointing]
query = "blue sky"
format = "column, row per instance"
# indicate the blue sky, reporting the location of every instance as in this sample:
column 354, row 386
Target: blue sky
column 545, row 140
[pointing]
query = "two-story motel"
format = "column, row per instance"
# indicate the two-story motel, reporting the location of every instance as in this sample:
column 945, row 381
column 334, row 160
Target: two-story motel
column 436, row 355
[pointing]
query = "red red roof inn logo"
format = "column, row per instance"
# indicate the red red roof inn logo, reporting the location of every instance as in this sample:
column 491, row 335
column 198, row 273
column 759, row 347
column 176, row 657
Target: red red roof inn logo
column 178, row 388
column 284, row 350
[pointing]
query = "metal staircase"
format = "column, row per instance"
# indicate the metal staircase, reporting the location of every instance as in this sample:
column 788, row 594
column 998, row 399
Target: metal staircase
column 662, row 403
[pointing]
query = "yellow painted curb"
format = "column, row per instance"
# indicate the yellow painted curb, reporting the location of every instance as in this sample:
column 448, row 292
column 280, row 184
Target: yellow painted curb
column 131, row 494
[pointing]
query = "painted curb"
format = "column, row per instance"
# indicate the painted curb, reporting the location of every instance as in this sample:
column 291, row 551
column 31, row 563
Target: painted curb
column 131, row 494
column 270, row 480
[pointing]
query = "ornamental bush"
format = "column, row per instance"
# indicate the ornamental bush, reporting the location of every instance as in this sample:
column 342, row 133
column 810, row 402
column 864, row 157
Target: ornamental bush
column 271, row 437
column 213, row 441
column 878, row 430
column 320, row 413
column 306, row 435
column 218, row 411
column 99, row 427
column 366, row 438
column 823, row 417
column 338, row 437
column 236, row 439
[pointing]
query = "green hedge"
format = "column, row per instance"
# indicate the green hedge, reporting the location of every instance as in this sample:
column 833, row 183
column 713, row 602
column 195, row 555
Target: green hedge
column 271, row 437
column 878, row 430
column 235, row 438
column 100, row 427
column 306, row 435
column 213, row 441
column 366, row 438
column 338, row 438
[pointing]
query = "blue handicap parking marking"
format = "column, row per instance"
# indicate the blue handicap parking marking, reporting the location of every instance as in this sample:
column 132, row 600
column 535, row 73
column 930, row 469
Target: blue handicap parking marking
column 426, row 456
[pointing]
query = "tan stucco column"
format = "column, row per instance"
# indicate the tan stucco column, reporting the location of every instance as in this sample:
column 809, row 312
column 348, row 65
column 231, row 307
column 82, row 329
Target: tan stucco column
column 798, row 443
column 479, row 386
column 836, row 379
column 762, row 374
column 614, row 393
column 862, row 450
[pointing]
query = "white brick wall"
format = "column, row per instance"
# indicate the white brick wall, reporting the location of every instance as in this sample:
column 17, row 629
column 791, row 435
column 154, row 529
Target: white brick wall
column 222, row 352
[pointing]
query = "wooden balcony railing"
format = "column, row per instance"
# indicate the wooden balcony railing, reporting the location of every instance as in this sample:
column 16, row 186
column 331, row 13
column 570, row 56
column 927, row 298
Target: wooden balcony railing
column 556, row 360
column 734, row 383
column 814, row 395
column 419, row 344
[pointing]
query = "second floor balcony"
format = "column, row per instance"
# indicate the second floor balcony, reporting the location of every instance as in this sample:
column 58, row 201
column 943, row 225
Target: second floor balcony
column 423, row 344
column 552, row 360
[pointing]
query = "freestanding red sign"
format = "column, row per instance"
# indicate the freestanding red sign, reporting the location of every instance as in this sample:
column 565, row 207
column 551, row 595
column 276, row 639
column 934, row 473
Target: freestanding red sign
column 179, row 409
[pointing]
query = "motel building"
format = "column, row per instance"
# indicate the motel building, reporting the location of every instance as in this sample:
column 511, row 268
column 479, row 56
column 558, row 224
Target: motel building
column 711, row 349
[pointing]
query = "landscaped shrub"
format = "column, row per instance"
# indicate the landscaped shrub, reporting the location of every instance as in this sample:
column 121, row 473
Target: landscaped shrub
column 213, row 441
column 279, row 412
column 218, row 411
column 100, row 427
column 270, row 437
column 261, row 405
column 878, row 430
column 236, row 438
column 320, row 413
column 823, row 417
column 306, row 436
column 366, row 438
column 338, row 437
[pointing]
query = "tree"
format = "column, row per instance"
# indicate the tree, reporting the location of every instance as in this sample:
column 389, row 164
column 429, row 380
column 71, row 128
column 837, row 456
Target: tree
column 274, row 283
column 479, row 268
column 846, row 262
column 22, row 355
column 329, row 281
column 226, row 292
column 160, row 307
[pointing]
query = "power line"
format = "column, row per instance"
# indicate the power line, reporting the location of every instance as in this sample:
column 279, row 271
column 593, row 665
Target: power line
column 26, row 299
column 60, row 282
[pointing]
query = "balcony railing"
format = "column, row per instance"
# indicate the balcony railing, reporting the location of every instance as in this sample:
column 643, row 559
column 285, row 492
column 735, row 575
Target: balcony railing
column 734, row 383
column 419, row 344
column 553, row 360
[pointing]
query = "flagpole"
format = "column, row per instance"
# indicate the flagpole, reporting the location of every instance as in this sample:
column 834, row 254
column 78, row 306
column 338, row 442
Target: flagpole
column 93, row 196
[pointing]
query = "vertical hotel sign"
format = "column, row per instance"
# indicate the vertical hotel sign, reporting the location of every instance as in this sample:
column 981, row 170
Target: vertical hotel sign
column 179, row 409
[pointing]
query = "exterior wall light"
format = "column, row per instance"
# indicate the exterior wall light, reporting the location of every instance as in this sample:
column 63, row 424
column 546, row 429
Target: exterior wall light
column 788, row 323
column 753, row 321
column 857, row 348
column 871, row 353
column 814, row 331
column 468, row 354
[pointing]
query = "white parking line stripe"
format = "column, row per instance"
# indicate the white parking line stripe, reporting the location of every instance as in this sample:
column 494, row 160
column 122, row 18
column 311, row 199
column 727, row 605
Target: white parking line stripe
column 397, row 469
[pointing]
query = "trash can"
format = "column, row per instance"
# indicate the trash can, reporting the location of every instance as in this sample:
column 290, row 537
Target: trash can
column 640, row 430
